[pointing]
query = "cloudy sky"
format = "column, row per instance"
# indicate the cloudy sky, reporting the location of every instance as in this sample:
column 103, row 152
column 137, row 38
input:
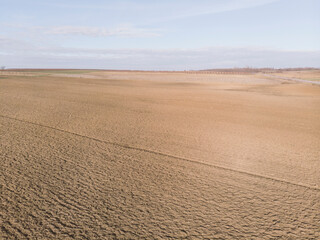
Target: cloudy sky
column 159, row 34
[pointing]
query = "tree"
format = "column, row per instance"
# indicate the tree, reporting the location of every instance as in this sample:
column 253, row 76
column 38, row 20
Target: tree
column 3, row 68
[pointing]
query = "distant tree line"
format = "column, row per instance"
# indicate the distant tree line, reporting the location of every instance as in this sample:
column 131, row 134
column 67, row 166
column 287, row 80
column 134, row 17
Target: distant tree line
column 256, row 70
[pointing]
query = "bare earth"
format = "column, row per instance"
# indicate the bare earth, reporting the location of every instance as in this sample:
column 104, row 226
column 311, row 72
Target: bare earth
column 134, row 155
column 311, row 75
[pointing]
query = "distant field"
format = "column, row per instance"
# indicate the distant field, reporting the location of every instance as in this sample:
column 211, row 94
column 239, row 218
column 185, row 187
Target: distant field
column 312, row 75
column 45, row 72
column 87, row 154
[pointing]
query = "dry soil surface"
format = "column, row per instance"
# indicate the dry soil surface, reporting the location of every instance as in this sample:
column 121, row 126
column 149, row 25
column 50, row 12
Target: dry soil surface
column 158, row 156
column 310, row 75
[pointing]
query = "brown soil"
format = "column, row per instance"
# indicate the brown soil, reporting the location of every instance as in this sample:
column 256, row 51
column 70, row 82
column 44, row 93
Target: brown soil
column 133, row 155
column 312, row 75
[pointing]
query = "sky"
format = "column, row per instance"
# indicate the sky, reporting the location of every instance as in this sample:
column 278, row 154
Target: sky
column 159, row 34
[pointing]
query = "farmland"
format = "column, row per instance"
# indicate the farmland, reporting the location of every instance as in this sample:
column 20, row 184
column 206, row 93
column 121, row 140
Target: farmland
column 124, row 154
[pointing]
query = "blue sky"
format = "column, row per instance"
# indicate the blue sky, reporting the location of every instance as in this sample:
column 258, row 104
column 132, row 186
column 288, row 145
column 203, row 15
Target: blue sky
column 159, row 34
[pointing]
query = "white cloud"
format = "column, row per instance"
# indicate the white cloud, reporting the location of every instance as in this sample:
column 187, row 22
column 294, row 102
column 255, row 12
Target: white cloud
column 12, row 44
column 30, row 56
column 152, row 11
column 185, row 9
column 122, row 31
